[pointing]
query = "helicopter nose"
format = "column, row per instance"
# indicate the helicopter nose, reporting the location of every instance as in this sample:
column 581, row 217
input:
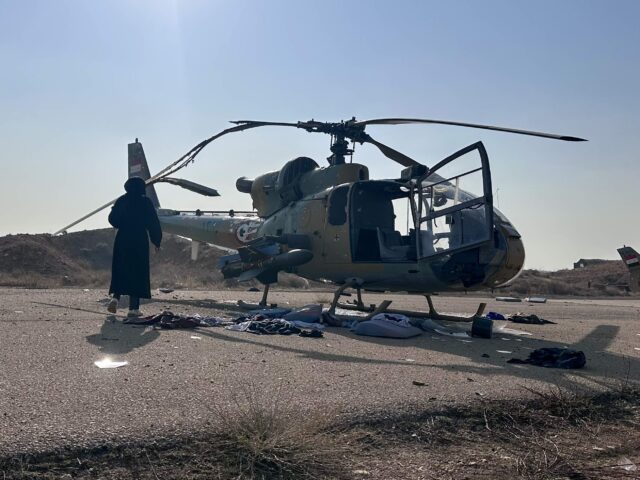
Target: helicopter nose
column 510, row 262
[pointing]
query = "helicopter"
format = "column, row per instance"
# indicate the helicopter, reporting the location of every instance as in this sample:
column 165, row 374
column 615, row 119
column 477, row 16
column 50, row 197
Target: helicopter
column 420, row 233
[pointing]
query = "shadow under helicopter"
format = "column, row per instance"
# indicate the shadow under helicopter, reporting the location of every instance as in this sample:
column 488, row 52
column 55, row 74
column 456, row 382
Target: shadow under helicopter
column 604, row 369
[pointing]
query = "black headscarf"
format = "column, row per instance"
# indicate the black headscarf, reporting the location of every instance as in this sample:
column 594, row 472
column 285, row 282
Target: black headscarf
column 135, row 186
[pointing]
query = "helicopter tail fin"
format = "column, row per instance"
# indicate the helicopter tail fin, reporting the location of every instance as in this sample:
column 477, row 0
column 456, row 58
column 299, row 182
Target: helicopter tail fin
column 631, row 258
column 138, row 167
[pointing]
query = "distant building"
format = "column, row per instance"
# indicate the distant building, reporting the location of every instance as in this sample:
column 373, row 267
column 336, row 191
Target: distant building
column 585, row 262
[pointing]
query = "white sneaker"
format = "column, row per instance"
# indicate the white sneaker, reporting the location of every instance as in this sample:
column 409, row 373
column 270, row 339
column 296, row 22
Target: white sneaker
column 134, row 314
column 113, row 306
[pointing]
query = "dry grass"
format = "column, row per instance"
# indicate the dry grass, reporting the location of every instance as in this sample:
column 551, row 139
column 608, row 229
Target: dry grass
column 556, row 434
column 262, row 436
column 551, row 436
column 259, row 435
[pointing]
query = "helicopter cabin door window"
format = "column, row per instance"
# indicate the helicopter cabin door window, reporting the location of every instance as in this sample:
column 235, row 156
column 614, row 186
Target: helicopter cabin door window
column 379, row 229
column 450, row 218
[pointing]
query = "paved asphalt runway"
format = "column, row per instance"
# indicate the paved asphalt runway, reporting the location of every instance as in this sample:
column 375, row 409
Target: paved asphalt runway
column 52, row 394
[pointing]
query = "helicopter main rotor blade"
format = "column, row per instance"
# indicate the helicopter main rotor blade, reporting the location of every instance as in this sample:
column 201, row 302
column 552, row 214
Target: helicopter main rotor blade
column 402, row 121
column 82, row 219
column 257, row 123
column 191, row 186
column 173, row 167
column 390, row 153
column 360, row 137
column 188, row 157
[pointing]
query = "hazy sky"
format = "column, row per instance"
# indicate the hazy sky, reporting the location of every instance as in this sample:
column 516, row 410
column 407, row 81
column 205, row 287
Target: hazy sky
column 79, row 80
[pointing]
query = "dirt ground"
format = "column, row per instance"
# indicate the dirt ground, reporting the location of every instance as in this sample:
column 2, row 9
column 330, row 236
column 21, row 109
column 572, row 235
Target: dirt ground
column 54, row 396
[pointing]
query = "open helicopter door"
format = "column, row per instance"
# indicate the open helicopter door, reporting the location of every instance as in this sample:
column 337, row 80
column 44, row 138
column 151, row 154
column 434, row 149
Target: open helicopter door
column 449, row 219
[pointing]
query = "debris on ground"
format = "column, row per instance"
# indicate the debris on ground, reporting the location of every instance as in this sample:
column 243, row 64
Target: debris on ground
column 429, row 325
column 510, row 331
column 554, row 358
column 625, row 464
column 536, row 300
column 508, row 299
column 482, row 327
column 165, row 290
column 528, row 319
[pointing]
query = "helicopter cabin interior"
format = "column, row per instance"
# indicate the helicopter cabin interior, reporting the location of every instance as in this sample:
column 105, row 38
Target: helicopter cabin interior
column 378, row 231
column 378, row 223
column 382, row 227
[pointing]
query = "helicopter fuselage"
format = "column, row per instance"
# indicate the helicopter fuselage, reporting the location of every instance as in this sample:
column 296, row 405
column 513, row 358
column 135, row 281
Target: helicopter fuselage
column 363, row 231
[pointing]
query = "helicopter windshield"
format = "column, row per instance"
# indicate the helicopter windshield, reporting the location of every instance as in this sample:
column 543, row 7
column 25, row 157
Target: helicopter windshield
column 449, row 218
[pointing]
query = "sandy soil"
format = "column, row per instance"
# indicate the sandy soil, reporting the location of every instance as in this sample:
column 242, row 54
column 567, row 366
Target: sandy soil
column 52, row 394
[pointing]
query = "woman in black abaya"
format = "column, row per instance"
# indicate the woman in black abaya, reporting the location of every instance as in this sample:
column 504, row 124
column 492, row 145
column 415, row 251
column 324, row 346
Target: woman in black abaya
column 136, row 219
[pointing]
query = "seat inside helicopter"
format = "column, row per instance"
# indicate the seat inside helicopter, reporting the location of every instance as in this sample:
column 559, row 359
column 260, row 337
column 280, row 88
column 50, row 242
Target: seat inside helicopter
column 383, row 228
column 381, row 224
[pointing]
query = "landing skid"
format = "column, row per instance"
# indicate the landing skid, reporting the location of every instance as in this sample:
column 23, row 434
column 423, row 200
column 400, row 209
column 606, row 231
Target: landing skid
column 383, row 307
column 257, row 306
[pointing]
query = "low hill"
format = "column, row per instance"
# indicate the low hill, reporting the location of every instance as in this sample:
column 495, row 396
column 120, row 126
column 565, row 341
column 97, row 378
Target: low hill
column 602, row 278
column 84, row 259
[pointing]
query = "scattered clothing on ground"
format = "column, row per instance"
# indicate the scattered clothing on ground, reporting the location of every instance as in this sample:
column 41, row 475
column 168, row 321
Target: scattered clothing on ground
column 169, row 320
column 308, row 314
column 554, row 358
column 311, row 333
column 307, row 325
column 270, row 312
column 529, row 319
column 495, row 316
column 429, row 325
column 261, row 325
column 387, row 325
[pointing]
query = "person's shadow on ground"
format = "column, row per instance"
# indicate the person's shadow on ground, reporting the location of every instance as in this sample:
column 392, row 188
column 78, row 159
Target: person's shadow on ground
column 117, row 338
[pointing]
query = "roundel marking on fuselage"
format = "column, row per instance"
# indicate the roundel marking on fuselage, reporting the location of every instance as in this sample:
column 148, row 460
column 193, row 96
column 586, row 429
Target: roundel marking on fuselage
column 247, row 231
